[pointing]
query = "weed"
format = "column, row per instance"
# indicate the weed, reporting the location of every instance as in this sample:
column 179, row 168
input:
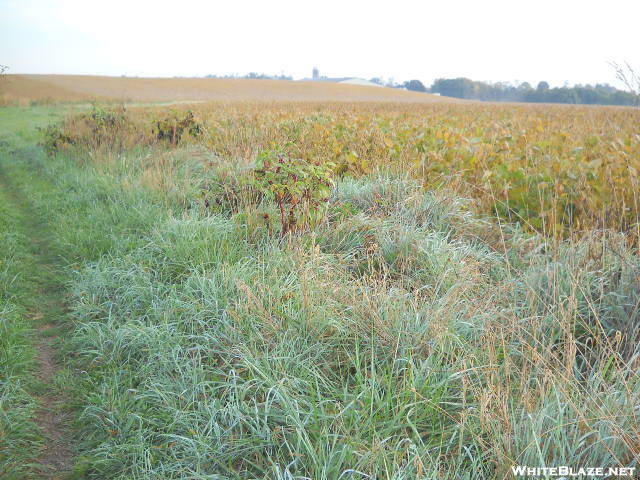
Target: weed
column 172, row 128
column 101, row 128
column 300, row 188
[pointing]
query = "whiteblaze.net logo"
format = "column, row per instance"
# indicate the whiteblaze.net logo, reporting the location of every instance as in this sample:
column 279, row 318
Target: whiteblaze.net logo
column 571, row 472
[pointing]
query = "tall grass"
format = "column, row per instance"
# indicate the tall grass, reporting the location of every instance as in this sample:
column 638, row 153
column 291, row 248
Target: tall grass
column 432, row 354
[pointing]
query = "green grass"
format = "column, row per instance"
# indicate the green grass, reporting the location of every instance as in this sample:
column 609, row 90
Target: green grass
column 28, row 283
column 404, row 338
column 18, row 433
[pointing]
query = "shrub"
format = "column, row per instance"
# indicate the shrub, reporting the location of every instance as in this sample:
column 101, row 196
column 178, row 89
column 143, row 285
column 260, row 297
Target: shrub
column 172, row 128
column 300, row 188
column 55, row 138
column 109, row 128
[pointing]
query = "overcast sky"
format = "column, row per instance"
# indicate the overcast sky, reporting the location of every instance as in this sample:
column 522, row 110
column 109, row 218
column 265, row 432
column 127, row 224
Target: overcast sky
column 495, row 40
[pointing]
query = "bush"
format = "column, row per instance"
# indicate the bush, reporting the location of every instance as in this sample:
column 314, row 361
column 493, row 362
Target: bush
column 301, row 187
column 109, row 128
column 172, row 128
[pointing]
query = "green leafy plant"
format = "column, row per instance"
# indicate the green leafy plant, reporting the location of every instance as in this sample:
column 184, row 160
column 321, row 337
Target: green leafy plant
column 351, row 163
column 55, row 138
column 109, row 126
column 172, row 128
column 300, row 188
column 107, row 118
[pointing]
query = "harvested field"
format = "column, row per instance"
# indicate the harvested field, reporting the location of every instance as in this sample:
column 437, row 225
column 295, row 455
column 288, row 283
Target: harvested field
column 25, row 89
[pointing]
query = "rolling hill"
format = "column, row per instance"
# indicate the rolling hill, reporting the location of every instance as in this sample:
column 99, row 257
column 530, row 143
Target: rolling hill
column 22, row 89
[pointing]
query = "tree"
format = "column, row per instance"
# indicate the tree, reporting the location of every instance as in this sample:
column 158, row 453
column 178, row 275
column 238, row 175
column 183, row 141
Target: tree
column 601, row 94
column 415, row 85
column 542, row 86
column 454, row 87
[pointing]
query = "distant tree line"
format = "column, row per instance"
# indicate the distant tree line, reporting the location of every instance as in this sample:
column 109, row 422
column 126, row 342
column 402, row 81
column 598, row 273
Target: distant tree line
column 415, row 85
column 601, row 93
column 254, row 76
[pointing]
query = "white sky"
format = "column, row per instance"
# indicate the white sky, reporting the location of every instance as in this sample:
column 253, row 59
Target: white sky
column 495, row 40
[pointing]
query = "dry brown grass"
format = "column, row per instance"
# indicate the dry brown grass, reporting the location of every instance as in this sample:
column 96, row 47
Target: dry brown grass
column 23, row 89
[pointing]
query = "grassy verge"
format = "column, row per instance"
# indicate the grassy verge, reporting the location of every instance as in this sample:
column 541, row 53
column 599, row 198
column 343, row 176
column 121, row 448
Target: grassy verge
column 20, row 439
column 18, row 433
column 405, row 337
column 52, row 222
column 30, row 296
column 388, row 345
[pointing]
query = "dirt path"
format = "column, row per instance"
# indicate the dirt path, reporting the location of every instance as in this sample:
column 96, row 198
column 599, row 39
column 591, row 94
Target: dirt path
column 57, row 458
column 46, row 309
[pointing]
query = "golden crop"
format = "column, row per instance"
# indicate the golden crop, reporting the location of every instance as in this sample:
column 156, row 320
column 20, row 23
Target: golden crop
column 555, row 169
